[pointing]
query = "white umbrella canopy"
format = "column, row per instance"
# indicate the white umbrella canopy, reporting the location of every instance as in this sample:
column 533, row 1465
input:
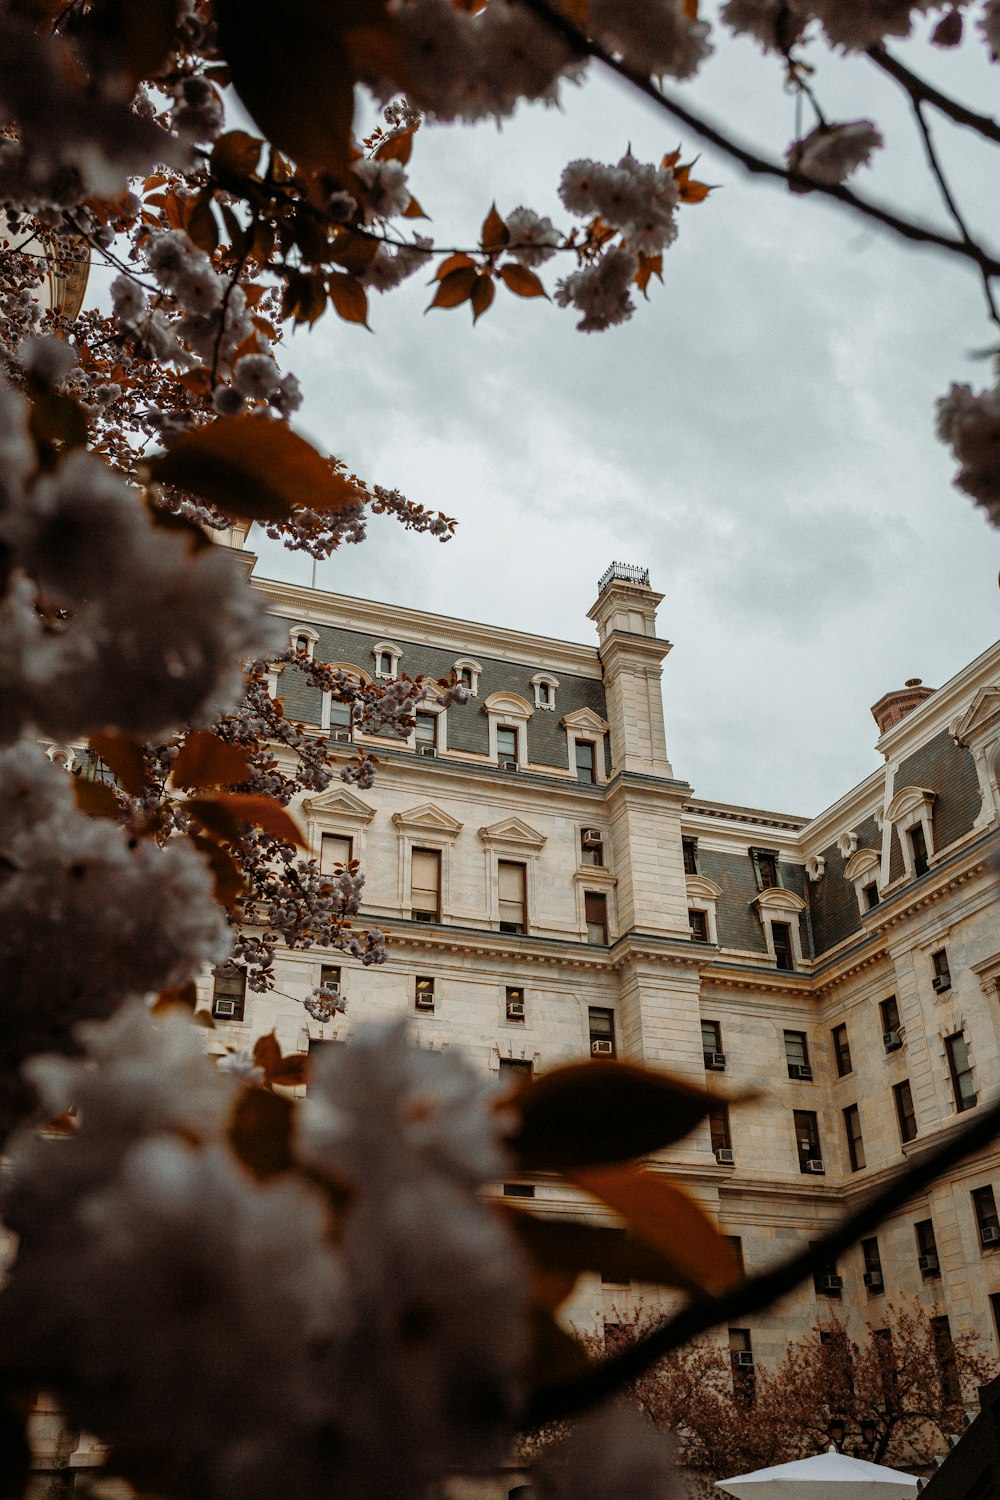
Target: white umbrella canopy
column 828, row 1476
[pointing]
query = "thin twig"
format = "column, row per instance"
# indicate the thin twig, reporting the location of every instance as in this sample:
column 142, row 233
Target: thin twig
column 606, row 1379
column 917, row 88
column 908, row 229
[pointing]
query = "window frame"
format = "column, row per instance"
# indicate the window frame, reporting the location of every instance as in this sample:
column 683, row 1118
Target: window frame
column 425, row 914
column 957, row 1074
column 906, row 1120
column 425, row 988
column 326, row 840
column 601, row 1028
column 984, row 1210
column 797, row 1041
column 232, row 977
column 855, row 1138
column 841, row 1050
column 596, row 902
column 506, row 925
column 805, row 1122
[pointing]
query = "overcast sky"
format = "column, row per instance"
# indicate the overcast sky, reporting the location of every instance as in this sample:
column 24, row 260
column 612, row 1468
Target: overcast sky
column 760, row 435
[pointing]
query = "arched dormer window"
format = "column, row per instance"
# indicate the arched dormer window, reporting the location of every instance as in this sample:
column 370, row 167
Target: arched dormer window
column 862, row 870
column 508, row 714
column 545, row 686
column 909, row 812
column 304, row 638
column 387, row 655
column 468, row 672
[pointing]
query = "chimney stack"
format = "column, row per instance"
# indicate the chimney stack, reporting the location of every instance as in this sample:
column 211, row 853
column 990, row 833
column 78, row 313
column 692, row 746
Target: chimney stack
column 893, row 707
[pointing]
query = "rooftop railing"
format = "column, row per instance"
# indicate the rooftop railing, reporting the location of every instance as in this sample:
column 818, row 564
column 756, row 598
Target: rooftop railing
column 625, row 571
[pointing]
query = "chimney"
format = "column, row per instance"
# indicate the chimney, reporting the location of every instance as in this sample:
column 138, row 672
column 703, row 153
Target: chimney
column 893, row 707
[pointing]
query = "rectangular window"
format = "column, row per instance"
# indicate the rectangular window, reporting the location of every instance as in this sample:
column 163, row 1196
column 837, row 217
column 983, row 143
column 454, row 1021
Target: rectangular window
column 507, row 747
column 797, row 1055
column 736, row 1245
column 698, row 921
column 512, row 882
column 873, row 1278
column 962, row 1082
column 711, row 1044
column 870, row 895
column 585, row 761
column 602, row 1031
column 518, row 1190
column 944, row 1350
column 385, row 664
column 690, row 848
column 765, row 868
column 827, row 1281
column 229, row 995
column 591, row 847
column 340, row 721
column 425, row 733
column 595, row 908
column 807, row 1140
column 741, row 1358
column 334, row 850
column 906, row 1115
column 781, row 937
column 425, row 885
column 718, row 1125
column 927, row 1255
column 942, row 973
column 515, row 1070
column 329, row 977
column 918, row 848
column 889, row 1012
column 841, row 1051
column 855, row 1144
column 987, row 1221
column 423, row 993
column 514, row 1001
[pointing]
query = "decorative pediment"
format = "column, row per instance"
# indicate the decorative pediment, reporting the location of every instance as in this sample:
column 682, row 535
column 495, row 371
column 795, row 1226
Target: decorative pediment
column 776, row 899
column 861, row 863
column 427, row 818
column 982, row 715
column 339, row 803
column 702, row 889
column 510, row 704
column 910, row 799
column 585, row 721
column 847, row 843
column 513, row 833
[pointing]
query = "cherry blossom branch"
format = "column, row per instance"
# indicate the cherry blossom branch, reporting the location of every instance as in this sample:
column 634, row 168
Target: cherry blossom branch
column 909, row 229
column 554, row 1403
column 917, row 88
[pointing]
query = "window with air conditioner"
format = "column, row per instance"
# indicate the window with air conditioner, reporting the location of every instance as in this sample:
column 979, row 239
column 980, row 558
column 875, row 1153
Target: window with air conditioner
column 872, row 1274
column 506, row 747
column 512, row 892
column 797, row 1056
column 987, row 1221
column 423, row 993
column 341, row 722
column 229, row 995
column 425, row 733
column 892, row 1038
column 941, row 973
column 514, row 1002
column 927, row 1252
column 741, row 1358
column 711, row 1046
column 601, row 1025
column 592, row 847
column 720, row 1133
column 425, row 885
column 806, row 1126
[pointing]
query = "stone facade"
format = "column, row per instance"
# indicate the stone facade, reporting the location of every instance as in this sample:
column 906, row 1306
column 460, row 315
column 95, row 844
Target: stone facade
column 879, row 915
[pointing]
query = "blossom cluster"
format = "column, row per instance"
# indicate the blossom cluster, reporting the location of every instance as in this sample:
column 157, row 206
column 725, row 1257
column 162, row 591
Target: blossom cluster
column 970, row 425
column 853, row 25
column 830, row 153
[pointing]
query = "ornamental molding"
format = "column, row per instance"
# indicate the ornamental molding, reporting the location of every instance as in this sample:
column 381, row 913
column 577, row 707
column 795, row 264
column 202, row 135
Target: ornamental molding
column 596, row 876
column 513, row 832
column 702, row 889
column 861, row 863
column 982, row 715
column 342, row 804
column 847, row 843
column 910, row 799
column 584, row 720
column 815, row 867
column 508, row 703
column 776, row 899
column 427, row 818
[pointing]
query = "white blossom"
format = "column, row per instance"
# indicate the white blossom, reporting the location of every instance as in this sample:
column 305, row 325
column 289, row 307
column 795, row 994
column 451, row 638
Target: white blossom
column 655, row 36
column 601, row 291
column 533, row 238
column 256, row 376
column 989, row 25
column 635, row 197
column 857, row 24
column 386, row 184
column 776, row 24
column 830, row 153
column 970, row 425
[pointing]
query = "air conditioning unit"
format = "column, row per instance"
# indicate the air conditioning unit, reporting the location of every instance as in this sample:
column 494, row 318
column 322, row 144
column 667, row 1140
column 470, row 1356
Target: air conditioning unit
column 591, row 838
column 743, row 1359
column 941, row 982
column 800, row 1070
column 424, row 1002
column 891, row 1041
column 715, row 1062
column 928, row 1264
column 831, row 1283
column 874, row 1281
column 724, row 1156
column 342, row 736
column 508, row 765
column 224, row 1009
column 426, row 750
column 602, row 1049
column 989, row 1234
column 815, row 1165
column 515, row 1010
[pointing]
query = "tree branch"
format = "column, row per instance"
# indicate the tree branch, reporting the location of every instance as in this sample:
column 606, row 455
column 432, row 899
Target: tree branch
column 908, row 229
column 918, row 89
column 557, row 1402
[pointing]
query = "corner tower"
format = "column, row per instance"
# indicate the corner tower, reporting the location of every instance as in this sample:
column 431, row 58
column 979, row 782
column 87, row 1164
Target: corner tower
column 631, row 653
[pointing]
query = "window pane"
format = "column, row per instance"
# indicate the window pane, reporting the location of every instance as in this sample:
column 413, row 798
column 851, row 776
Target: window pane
column 855, row 1145
column 506, row 743
column 841, row 1050
column 718, row 1124
column 711, row 1036
column 425, row 884
column 584, row 760
column 905, row 1112
column 426, row 729
column 796, row 1053
column 602, row 1029
column 596, row 913
column 340, row 715
column 690, row 847
column 890, row 1014
column 961, row 1071
column 699, row 925
column 781, row 936
column 335, row 850
column 229, row 995
column 511, row 882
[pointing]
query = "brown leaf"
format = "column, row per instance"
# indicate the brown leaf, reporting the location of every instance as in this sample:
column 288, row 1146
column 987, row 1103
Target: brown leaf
column 569, row 1247
column 228, row 885
column 304, row 297
column 288, row 1070
column 596, row 1113
column 95, row 798
column 482, row 295
column 413, row 210
column 202, row 225
column 56, row 419
column 124, row 757
column 948, row 31
column 658, row 1212
column 180, row 996
column 355, row 252
column 197, row 540
column 522, row 282
column 205, row 760
column 348, row 297
column 397, row 148
column 494, row 234
column 224, row 814
column 555, row 1356
column 260, row 1132
column 253, row 467
column 456, row 287
column 649, row 266
column 453, row 263
column 235, row 157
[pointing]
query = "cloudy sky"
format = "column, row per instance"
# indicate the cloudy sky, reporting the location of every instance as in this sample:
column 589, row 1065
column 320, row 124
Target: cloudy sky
column 760, row 435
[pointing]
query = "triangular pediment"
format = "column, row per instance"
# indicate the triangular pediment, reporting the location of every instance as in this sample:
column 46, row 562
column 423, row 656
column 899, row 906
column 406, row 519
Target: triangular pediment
column 512, row 831
column 428, row 818
column 339, row 802
column 584, row 720
column 982, row 714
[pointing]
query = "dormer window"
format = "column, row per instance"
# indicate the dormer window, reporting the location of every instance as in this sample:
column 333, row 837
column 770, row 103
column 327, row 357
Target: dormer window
column 467, row 671
column 862, row 870
column 765, row 868
column 304, row 639
column 506, row 747
column 545, row 690
column 910, row 813
column 387, row 654
column 585, row 761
